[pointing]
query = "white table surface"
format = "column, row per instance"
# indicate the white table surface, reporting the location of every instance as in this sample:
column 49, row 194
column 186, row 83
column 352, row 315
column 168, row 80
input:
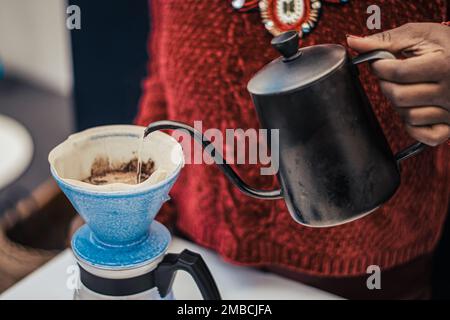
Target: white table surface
column 234, row 282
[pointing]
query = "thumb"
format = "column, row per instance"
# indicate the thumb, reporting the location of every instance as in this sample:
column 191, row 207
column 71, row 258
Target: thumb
column 395, row 40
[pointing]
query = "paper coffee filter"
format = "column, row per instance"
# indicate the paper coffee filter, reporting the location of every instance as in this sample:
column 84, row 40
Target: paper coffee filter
column 72, row 160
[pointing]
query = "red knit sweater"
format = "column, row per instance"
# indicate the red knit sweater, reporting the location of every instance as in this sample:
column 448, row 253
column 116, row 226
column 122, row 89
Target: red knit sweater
column 202, row 55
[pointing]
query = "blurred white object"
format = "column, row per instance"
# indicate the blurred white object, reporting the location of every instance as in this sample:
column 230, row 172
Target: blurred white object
column 35, row 43
column 16, row 150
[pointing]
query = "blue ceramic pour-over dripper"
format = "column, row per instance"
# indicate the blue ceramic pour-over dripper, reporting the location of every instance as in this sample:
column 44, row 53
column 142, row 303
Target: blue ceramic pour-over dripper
column 120, row 231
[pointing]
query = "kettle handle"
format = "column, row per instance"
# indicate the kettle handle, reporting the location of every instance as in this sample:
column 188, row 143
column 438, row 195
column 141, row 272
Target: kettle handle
column 383, row 54
column 218, row 159
column 193, row 264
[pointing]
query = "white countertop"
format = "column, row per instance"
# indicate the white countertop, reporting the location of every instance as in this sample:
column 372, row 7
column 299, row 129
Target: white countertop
column 234, row 282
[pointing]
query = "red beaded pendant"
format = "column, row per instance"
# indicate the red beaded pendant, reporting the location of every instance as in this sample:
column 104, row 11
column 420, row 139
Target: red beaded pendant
column 285, row 15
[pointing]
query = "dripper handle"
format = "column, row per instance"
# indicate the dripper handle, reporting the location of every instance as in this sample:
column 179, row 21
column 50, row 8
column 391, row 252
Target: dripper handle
column 193, row 264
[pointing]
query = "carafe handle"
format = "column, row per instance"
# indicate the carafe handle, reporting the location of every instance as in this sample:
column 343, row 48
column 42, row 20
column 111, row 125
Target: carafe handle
column 383, row 54
column 218, row 159
column 193, row 264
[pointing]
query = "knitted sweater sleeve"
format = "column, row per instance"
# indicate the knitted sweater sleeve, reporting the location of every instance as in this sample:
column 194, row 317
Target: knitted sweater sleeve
column 152, row 105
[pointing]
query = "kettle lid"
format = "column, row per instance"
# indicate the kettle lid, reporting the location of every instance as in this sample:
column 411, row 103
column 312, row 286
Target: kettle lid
column 296, row 68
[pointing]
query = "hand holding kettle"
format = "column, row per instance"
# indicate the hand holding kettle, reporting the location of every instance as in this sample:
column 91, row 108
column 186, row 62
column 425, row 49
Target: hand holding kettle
column 335, row 163
column 418, row 86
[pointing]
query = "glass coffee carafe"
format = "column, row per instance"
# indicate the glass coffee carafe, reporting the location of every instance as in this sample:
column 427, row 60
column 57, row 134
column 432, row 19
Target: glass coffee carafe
column 152, row 281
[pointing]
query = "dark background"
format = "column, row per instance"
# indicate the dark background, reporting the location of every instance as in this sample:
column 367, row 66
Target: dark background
column 110, row 57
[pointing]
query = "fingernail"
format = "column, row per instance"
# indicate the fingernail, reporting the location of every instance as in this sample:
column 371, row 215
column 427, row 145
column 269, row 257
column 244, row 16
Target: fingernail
column 353, row 36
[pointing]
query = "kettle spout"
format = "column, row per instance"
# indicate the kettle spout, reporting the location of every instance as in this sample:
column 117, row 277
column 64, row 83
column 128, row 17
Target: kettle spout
column 218, row 159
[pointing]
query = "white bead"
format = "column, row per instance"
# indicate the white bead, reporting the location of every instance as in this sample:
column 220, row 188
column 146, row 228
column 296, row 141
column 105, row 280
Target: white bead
column 263, row 5
column 238, row 4
column 269, row 24
column 316, row 5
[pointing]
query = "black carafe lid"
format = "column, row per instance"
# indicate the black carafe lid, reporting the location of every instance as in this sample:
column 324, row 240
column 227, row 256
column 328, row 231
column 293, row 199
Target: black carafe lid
column 296, row 68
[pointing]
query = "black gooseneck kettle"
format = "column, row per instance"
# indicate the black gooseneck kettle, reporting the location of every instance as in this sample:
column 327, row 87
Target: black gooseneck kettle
column 335, row 163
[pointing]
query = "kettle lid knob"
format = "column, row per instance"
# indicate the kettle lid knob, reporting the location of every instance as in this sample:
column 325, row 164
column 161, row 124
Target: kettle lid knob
column 287, row 44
